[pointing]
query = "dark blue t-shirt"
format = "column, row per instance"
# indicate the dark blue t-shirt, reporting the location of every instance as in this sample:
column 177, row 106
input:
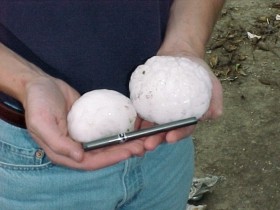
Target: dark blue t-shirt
column 89, row 44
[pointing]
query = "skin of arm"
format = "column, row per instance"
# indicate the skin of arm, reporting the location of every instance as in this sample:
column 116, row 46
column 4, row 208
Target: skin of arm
column 190, row 26
column 17, row 71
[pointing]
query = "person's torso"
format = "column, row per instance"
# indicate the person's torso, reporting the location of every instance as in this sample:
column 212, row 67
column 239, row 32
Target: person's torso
column 89, row 44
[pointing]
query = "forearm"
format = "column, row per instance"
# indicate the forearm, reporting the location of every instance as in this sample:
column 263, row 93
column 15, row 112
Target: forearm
column 15, row 73
column 190, row 26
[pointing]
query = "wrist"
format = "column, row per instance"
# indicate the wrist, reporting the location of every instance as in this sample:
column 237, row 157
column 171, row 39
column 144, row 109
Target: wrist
column 182, row 48
column 29, row 75
column 16, row 73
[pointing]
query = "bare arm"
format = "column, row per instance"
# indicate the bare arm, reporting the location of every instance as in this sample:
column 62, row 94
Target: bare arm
column 190, row 26
column 15, row 72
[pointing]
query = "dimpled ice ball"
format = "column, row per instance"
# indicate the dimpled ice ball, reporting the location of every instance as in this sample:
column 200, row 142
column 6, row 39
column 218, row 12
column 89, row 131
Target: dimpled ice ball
column 100, row 113
column 168, row 88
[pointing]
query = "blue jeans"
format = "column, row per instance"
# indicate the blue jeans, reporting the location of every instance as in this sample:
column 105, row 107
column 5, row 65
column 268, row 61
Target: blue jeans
column 160, row 180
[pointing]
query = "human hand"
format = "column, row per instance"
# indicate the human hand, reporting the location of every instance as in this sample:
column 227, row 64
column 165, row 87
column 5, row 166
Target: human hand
column 214, row 111
column 215, row 107
column 46, row 104
column 149, row 142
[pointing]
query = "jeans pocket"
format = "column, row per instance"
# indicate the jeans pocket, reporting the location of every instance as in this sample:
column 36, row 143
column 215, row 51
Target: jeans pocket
column 17, row 158
column 18, row 151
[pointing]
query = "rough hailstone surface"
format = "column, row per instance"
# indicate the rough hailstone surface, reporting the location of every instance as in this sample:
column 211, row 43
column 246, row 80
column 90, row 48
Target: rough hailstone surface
column 169, row 88
column 100, row 113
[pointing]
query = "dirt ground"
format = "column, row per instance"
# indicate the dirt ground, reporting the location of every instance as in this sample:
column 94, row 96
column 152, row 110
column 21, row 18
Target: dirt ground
column 243, row 146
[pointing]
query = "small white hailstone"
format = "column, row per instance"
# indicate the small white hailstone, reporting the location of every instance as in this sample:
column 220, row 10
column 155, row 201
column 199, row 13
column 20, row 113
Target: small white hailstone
column 168, row 88
column 100, row 113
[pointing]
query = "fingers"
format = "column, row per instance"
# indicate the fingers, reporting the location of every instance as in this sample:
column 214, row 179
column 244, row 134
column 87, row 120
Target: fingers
column 216, row 104
column 51, row 134
column 136, row 147
column 94, row 159
column 62, row 150
column 137, row 123
column 104, row 157
column 150, row 142
column 177, row 134
column 153, row 141
column 111, row 155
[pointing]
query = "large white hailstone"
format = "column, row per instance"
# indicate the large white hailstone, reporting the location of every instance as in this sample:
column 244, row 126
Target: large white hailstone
column 100, row 113
column 167, row 88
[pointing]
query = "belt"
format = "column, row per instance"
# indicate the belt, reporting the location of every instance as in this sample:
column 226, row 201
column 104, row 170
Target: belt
column 12, row 116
